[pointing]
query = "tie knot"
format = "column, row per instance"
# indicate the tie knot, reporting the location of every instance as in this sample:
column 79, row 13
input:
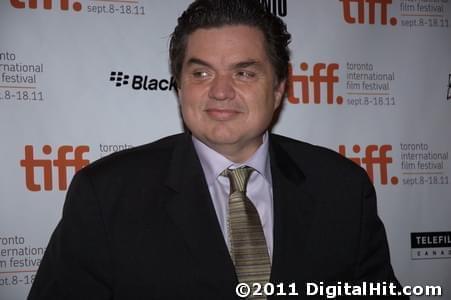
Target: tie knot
column 238, row 178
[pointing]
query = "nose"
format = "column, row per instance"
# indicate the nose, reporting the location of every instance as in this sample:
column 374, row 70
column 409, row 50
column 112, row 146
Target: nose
column 222, row 88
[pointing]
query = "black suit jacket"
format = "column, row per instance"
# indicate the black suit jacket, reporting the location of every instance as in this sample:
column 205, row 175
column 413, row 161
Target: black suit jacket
column 140, row 224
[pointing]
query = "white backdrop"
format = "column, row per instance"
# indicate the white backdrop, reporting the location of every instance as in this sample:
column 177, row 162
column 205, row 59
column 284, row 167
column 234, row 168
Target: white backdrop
column 370, row 79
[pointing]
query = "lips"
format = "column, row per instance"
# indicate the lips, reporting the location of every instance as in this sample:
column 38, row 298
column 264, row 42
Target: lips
column 222, row 114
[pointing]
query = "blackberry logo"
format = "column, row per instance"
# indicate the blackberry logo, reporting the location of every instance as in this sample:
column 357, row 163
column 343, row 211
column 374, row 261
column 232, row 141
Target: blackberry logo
column 145, row 82
column 119, row 78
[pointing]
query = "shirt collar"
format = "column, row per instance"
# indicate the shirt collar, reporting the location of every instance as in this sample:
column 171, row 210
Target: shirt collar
column 213, row 163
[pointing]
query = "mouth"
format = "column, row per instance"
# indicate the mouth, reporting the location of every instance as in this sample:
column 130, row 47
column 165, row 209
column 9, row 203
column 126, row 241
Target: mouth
column 222, row 114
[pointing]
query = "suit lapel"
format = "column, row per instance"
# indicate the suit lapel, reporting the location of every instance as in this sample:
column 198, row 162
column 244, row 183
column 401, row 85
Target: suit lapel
column 191, row 209
column 294, row 210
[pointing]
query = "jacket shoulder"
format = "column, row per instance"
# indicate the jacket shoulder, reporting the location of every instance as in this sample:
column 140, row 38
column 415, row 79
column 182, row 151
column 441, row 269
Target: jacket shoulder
column 136, row 160
column 314, row 158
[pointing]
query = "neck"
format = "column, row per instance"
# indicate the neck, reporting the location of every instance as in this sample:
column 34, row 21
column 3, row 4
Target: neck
column 237, row 153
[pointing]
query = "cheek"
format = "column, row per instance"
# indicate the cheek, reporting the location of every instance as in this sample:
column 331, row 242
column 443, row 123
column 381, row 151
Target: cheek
column 262, row 104
column 186, row 99
column 191, row 95
column 191, row 108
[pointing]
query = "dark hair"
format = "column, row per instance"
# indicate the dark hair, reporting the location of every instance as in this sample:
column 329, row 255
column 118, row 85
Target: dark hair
column 217, row 13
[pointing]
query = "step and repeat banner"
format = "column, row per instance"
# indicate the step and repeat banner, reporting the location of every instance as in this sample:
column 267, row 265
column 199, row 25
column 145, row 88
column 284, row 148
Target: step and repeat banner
column 370, row 79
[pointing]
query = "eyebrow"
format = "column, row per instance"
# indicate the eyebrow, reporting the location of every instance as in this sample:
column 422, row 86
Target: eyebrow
column 239, row 65
column 197, row 61
column 247, row 63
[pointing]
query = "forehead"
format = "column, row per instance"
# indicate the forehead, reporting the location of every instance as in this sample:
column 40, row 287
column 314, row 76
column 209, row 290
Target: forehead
column 226, row 43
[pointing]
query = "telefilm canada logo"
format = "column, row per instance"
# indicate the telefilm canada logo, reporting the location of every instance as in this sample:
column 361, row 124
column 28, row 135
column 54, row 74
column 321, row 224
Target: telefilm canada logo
column 142, row 82
column 430, row 245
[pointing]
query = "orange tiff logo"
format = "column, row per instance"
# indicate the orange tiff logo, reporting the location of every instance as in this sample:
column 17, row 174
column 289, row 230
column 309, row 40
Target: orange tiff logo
column 374, row 156
column 365, row 11
column 61, row 163
column 323, row 75
column 46, row 4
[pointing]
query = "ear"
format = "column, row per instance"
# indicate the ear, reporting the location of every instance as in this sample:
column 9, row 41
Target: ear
column 279, row 93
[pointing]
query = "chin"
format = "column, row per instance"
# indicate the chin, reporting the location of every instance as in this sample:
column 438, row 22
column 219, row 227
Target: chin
column 222, row 139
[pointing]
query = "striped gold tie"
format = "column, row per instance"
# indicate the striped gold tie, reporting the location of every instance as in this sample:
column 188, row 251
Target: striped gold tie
column 247, row 241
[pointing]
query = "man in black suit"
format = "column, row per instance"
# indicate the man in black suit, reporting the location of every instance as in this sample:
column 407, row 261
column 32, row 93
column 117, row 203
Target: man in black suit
column 156, row 221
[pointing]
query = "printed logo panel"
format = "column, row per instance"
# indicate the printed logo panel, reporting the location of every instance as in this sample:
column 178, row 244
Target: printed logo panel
column 143, row 82
column 311, row 82
column 448, row 94
column 373, row 158
column 367, row 12
column 409, row 13
column 64, row 157
column 19, row 79
column 95, row 7
column 276, row 7
column 364, row 83
column 46, row 4
column 430, row 245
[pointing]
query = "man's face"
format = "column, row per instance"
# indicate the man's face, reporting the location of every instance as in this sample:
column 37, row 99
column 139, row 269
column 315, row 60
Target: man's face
column 228, row 90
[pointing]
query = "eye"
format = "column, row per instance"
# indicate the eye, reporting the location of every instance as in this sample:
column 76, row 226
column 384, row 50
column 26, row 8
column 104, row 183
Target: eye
column 200, row 74
column 246, row 74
